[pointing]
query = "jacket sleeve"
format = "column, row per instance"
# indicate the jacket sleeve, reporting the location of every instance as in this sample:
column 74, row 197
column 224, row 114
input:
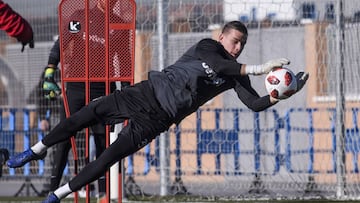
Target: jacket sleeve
column 54, row 56
column 249, row 96
column 214, row 54
column 13, row 24
column 42, row 104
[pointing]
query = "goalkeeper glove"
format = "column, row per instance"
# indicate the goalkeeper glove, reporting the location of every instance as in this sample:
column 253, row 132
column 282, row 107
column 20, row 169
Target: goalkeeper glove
column 50, row 88
column 301, row 78
column 266, row 67
column 24, row 43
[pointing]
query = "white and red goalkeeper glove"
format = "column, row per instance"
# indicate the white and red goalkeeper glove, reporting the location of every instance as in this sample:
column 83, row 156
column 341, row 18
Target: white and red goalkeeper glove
column 266, row 67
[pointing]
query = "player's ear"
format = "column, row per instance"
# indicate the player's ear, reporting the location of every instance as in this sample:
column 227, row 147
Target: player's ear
column 221, row 36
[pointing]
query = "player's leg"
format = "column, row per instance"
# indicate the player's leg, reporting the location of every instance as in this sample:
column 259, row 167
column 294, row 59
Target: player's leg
column 61, row 157
column 75, row 103
column 56, row 115
column 123, row 146
column 147, row 121
column 132, row 138
column 99, row 134
column 86, row 117
column 99, row 131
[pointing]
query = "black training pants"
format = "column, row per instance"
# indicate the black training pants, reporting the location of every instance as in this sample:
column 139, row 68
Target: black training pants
column 146, row 121
column 76, row 100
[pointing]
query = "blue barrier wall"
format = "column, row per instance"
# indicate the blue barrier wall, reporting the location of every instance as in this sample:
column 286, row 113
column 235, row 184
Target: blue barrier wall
column 220, row 141
column 15, row 123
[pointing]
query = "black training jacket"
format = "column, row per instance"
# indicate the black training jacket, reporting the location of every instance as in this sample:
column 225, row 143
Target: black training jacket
column 204, row 71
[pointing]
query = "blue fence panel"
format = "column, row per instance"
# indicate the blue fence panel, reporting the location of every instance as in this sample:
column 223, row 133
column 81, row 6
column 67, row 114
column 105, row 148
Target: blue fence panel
column 26, row 138
column 9, row 131
column 352, row 139
column 307, row 133
column 150, row 160
column 147, row 163
column 273, row 130
column 178, row 172
column 218, row 141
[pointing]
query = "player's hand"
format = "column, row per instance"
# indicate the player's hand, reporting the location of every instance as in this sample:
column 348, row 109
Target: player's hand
column 30, row 42
column 51, row 90
column 301, row 78
column 50, row 87
column 266, row 67
column 273, row 100
column 44, row 125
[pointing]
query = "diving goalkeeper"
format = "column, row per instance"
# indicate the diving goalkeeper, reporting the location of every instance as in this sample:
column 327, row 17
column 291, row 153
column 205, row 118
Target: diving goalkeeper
column 205, row 70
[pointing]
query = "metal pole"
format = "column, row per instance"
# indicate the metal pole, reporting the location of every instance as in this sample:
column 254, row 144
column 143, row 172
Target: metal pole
column 340, row 103
column 164, row 138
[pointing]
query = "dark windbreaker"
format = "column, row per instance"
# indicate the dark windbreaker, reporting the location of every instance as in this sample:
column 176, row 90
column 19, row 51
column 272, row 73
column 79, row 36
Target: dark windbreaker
column 203, row 72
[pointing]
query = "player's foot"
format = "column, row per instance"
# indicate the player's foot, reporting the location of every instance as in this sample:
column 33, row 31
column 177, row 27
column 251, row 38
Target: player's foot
column 51, row 199
column 24, row 157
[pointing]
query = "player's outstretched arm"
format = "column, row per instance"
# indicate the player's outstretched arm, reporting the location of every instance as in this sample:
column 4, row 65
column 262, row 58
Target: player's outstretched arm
column 263, row 68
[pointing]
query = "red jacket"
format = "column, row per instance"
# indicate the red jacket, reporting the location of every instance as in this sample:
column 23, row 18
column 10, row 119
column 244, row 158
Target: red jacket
column 13, row 24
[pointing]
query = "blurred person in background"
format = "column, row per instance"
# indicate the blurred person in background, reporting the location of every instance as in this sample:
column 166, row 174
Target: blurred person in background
column 76, row 99
column 49, row 112
column 16, row 26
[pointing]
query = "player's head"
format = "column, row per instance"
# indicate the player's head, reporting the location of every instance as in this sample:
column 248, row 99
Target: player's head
column 233, row 37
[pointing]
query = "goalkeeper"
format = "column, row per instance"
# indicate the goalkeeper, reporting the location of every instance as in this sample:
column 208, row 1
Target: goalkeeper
column 207, row 69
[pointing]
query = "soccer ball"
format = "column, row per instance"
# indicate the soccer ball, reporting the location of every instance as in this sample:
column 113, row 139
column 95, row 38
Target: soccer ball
column 280, row 83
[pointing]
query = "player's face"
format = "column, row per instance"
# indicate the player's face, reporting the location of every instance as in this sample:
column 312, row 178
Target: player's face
column 233, row 42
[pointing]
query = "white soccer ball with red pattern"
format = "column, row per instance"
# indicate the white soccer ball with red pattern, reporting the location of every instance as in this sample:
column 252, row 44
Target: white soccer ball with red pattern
column 280, row 83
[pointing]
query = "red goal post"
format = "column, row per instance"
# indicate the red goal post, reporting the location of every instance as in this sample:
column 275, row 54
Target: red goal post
column 97, row 44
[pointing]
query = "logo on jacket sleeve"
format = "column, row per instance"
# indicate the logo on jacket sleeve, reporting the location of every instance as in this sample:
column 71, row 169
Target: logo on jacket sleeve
column 212, row 75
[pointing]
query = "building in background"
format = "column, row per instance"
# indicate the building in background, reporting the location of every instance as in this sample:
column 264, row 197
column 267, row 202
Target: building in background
column 287, row 10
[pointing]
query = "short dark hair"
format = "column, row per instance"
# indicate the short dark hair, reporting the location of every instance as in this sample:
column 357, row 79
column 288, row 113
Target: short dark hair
column 237, row 25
